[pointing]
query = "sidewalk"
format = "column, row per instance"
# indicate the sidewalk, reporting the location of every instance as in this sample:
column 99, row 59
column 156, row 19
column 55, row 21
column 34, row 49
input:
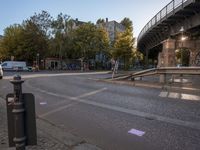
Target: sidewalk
column 49, row 137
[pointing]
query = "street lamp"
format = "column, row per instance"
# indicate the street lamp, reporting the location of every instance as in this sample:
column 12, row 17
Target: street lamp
column 37, row 61
column 183, row 38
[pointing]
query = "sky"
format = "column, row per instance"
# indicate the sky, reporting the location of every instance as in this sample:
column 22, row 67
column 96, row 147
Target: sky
column 139, row 11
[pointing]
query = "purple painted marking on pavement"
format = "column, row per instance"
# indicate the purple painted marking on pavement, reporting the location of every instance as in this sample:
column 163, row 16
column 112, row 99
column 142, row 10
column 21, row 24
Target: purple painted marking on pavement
column 136, row 132
column 43, row 103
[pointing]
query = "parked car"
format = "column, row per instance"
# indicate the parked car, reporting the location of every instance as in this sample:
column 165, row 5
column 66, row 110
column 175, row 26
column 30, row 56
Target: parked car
column 1, row 72
column 14, row 66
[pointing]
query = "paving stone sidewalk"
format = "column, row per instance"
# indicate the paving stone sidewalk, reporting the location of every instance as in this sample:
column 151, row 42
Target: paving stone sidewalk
column 49, row 137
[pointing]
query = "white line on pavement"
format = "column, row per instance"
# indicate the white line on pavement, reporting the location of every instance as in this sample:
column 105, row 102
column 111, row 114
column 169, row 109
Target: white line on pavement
column 71, row 104
column 180, row 96
column 56, row 110
column 91, row 93
column 56, row 74
column 65, row 97
column 194, row 125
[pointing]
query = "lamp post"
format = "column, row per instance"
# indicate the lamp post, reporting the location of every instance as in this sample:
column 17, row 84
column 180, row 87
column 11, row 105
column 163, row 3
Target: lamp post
column 37, row 61
column 183, row 38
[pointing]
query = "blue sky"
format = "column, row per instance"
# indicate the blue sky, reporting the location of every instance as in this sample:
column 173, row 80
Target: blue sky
column 139, row 11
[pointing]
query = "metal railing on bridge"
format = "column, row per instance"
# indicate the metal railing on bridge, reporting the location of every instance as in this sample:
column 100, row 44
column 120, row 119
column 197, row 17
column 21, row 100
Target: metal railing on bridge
column 162, row 14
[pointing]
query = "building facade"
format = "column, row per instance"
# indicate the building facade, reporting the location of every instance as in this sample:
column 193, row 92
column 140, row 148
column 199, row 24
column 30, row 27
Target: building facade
column 112, row 27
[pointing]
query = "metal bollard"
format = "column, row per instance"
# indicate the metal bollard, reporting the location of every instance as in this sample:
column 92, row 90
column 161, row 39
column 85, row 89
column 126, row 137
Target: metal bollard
column 18, row 112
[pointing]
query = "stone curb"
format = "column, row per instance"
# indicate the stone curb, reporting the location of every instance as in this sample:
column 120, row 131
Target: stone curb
column 148, row 85
column 71, row 141
column 59, row 135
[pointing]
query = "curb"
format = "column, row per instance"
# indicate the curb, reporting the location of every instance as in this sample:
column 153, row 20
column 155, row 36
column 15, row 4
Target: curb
column 58, row 135
column 71, row 141
column 149, row 85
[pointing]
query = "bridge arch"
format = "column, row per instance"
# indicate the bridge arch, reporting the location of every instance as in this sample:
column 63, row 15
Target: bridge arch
column 182, row 57
column 161, row 35
column 167, row 57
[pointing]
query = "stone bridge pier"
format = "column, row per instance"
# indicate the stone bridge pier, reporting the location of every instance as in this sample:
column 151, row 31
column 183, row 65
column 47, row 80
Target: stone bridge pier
column 167, row 58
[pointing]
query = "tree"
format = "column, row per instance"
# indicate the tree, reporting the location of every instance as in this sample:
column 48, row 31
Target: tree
column 100, row 21
column 137, row 57
column 43, row 21
column 34, row 42
column 127, row 23
column 23, row 42
column 88, row 40
column 123, row 47
column 61, row 29
column 10, row 43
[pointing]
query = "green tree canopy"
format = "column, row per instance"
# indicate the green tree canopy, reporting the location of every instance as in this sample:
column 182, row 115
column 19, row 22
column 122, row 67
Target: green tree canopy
column 100, row 21
column 23, row 42
column 43, row 21
column 127, row 23
column 61, row 32
column 10, row 43
column 34, row 42
column 123, row 47
column 88, row 40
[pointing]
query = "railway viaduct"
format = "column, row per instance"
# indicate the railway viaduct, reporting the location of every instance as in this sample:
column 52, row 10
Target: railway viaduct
column 172, row 36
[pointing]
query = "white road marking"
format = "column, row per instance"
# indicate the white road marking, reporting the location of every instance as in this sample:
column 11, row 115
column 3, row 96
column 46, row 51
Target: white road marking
column 136, row 132
column 194, row 125
column 94, row 79
column 92, row 93
column 190, row 97
column 71, row 104
column 56, row 110
column 163, row 94
column 65, row 97
column 56, row 74
column 180, row 96
column 174, row 95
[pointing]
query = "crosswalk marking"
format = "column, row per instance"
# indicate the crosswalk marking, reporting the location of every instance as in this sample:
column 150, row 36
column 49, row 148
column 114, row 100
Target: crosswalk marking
column 179, row 96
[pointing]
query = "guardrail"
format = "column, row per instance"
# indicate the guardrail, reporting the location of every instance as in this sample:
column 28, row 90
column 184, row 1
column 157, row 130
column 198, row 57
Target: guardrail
column 179, row 70
column 162, row 14
column 162, row 70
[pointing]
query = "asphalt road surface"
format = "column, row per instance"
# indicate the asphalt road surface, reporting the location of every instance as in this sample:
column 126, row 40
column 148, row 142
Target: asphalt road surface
column 114, row 116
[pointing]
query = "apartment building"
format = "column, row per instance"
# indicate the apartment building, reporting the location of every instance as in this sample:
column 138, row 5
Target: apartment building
column 112, row 27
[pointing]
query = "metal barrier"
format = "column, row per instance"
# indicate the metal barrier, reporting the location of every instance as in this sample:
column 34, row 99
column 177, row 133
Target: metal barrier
column 162, row 71
column 21, row 116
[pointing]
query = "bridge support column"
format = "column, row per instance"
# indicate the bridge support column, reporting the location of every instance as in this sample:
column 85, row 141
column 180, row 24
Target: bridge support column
column 160, row 59
column 146, row 59
column 194, row 60
column 169, row 53
column 193, row 54
column 163, row 78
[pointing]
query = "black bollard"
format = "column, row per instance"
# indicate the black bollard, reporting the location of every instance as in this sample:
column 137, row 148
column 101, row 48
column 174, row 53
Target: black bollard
column 18, row 112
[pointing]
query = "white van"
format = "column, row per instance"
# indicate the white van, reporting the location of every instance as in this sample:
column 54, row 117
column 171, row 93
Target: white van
column 1, row 72
column 14, row 66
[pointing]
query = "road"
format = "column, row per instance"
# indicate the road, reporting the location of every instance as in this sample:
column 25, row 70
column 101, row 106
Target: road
column 104, row 113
